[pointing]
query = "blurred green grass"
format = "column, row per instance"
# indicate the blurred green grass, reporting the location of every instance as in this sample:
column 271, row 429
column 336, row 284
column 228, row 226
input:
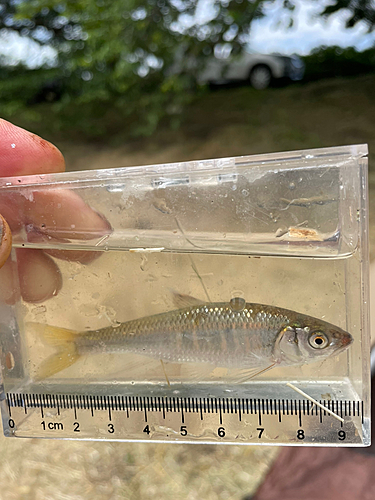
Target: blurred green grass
column 234, row 121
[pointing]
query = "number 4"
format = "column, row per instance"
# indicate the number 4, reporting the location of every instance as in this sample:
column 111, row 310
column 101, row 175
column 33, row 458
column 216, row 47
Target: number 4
column 147, row 430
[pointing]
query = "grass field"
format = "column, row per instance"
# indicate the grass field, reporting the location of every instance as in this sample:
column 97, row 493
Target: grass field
column 242, row 121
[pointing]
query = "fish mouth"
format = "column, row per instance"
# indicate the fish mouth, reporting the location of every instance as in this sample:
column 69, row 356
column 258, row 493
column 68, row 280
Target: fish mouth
column 342, row 342
column 347, row 340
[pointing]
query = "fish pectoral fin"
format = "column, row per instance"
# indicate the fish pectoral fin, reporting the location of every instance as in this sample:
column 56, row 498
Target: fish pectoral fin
column 250, row 373
column 180, row 300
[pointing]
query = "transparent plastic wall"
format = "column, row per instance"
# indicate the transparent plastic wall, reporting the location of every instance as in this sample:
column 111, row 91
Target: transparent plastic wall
column 284, row 230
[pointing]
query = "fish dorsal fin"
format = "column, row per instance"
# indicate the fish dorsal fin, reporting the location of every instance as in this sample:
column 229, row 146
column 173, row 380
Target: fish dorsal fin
column 180, row 300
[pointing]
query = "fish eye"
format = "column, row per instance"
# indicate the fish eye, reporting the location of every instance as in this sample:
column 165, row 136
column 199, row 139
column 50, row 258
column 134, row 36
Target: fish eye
column 318, row 340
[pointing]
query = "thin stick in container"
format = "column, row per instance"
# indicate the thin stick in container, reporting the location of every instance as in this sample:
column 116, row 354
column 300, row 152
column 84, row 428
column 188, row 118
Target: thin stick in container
column 314, row 401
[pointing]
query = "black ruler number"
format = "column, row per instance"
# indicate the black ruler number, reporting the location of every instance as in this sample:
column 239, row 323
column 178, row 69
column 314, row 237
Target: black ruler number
column 223, row 408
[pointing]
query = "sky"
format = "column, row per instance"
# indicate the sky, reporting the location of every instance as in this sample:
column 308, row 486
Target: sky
column 309, row 31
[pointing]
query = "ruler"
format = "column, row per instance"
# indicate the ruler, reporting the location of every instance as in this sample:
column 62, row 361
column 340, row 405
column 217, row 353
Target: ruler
column 228, row 420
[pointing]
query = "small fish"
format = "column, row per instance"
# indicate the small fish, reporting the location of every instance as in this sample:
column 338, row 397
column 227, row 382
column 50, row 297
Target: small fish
column 307, row 202
column 236, row 334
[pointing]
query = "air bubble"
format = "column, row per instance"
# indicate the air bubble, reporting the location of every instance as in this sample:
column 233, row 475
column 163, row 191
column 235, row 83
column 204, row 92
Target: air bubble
column 237, row 304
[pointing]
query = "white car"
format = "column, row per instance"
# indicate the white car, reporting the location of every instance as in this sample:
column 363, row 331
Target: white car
column 257, row 69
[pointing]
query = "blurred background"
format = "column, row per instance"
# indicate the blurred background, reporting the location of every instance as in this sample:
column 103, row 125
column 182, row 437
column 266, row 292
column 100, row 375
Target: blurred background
column 131, row 82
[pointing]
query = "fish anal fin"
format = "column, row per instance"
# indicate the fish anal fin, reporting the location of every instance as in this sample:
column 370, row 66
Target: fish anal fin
column 180, row 300
column 199, row 372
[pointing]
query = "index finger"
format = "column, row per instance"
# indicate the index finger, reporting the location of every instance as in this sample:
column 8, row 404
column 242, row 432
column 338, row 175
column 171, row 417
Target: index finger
column 60, row 213
column 24, row 153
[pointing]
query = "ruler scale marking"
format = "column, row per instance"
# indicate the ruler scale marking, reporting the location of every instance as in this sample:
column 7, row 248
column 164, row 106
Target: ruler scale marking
column 202, row 407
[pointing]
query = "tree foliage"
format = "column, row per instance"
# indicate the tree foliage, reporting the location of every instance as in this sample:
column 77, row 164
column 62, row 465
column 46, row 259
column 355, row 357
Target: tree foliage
column 132, row 58
column 359, row 10
column 130, row 55
column 333, row 62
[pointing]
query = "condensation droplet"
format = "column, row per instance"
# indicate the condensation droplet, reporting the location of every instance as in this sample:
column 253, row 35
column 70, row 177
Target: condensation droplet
column 88, row 310
column 144, row 263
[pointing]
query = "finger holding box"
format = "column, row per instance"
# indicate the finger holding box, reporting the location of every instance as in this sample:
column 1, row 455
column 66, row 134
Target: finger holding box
column 56, row 215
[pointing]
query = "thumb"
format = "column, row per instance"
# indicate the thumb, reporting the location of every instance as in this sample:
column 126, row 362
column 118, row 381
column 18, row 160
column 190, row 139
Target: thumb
column 5, row 241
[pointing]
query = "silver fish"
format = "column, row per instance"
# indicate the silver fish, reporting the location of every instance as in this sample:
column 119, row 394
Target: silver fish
column 229, row 335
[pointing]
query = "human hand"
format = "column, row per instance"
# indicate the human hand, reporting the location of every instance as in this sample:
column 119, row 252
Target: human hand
column 36, row 276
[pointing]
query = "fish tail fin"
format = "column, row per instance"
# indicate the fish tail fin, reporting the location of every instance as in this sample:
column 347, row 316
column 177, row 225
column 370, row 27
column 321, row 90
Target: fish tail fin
column 65, row 341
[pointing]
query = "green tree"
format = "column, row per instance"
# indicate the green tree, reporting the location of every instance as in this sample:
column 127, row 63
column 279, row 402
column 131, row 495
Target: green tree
column 117, row 54
column 360, row 10
column 131, row 59
column 120, row 54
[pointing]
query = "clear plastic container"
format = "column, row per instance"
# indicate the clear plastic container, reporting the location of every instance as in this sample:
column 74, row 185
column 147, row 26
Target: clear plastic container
column 287, row 230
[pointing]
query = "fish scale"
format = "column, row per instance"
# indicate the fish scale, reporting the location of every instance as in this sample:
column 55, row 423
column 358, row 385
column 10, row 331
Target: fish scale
column 228, row 335
column 211, row 333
